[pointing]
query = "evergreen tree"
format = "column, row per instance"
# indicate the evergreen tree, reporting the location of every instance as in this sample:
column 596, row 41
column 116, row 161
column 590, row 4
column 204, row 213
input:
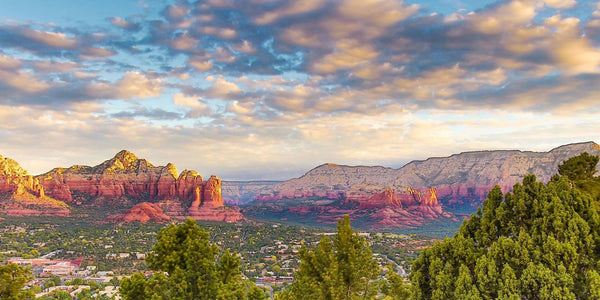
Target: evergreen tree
column 192, row 269
column 12, row 280
column 580, row 170
column 580, row 167
column 538, row 242
column 342, row 268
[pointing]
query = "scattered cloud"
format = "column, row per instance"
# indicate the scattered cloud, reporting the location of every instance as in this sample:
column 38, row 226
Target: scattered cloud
column 295, row 80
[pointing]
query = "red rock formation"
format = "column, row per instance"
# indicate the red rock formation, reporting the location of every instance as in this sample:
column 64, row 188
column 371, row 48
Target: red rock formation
column 212, row 192
column 127, row 179
column 22, row 195
column 141, row 212
column 458, row 181
column 386, row 198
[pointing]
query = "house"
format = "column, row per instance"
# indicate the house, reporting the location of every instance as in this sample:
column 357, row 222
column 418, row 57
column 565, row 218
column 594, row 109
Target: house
column 61, row 268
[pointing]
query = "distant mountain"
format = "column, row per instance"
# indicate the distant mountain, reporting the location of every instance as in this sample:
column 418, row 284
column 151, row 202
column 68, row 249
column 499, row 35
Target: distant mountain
column 244, row 192
column 375, row 197
column 125, row 180
column 458, row 183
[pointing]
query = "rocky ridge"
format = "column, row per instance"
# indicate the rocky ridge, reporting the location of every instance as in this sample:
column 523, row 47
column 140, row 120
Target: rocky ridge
column 141, row 212
column 22, row 194
column 124, row 181
column 420, row 190
column 244, row 192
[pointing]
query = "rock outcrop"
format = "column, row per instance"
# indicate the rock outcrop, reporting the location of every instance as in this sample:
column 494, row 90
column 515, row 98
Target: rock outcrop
column 125, row 180
column 22, row 194
column 421, row 190
column 120, row 182
column 141, row 212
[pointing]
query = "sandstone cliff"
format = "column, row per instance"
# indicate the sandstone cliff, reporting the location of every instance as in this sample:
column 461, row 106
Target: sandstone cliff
column 22, row 194
column 141, row 212
column 421, row 189
column 458, row 178
column 126, row 180
column 120, row 182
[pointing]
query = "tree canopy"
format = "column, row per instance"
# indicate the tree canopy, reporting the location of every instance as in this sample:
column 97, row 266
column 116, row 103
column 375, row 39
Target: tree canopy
column 188, row 266
column 340, row 268
column 12, row 280
column 580, row 167
column 538, row 242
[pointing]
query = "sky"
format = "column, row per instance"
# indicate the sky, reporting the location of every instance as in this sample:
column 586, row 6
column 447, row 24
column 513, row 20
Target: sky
column 268, row 89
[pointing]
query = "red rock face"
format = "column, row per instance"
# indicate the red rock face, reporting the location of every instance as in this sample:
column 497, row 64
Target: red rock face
column 141, row 212
column 127, row 179
column 212, row 192
column 22, row 194
column 458, row 181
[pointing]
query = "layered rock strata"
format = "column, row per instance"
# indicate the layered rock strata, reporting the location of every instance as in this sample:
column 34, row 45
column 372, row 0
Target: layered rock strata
column 120, row 182
column 22, row 194
column 458, row 182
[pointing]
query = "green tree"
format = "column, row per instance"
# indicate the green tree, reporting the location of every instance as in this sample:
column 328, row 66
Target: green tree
column 134, row 287
column 394, row 287
column 580, row 167
column 12, row 280
column 256, row 293
column 192, row 266
column 342, row 268
column 580, row 170
column 538, row 242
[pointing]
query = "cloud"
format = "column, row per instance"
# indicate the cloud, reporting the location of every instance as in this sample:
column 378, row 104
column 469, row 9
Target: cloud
column 131, row 85
column 503, row 17
column 53, row 66
column 137, row 85
column 174, row 12
column 348, row 55
column 293, row 8
column 51, row 39
column 200, row 63
column 222, row 88
column 561, row 4
column 183, row 42
column 245, row 47
column 97, row 51
column 188, row 101
column 119, row 22
column 22, row 81
column 10, row 63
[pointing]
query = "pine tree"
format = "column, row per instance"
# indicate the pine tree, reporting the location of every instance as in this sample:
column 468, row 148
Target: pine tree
column 580, row 167
column 12, row 280
column 538, row 242
column 192, row 266
column 338, row 268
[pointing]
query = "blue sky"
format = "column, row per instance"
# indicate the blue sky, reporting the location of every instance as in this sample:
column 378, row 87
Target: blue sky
column 267, row 89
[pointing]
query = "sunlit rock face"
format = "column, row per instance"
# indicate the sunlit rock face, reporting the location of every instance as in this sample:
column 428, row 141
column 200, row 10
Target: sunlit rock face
column 420, row 190
column 123, row 181
column 141, row 212
column 22, row 194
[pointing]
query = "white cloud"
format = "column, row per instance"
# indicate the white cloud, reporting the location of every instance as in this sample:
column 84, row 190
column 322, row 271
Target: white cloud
column 189, row 101
column 560, row 4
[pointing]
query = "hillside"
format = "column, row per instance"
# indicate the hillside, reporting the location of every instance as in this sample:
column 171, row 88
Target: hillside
column 448, row 185
column 120, row 183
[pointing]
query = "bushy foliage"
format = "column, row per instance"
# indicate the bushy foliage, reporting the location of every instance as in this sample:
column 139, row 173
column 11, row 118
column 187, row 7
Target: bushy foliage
column 340, row 268
column 538, row 242
column 187, row 266
column 580, row 167
column 580, row 170
column 12, row 280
